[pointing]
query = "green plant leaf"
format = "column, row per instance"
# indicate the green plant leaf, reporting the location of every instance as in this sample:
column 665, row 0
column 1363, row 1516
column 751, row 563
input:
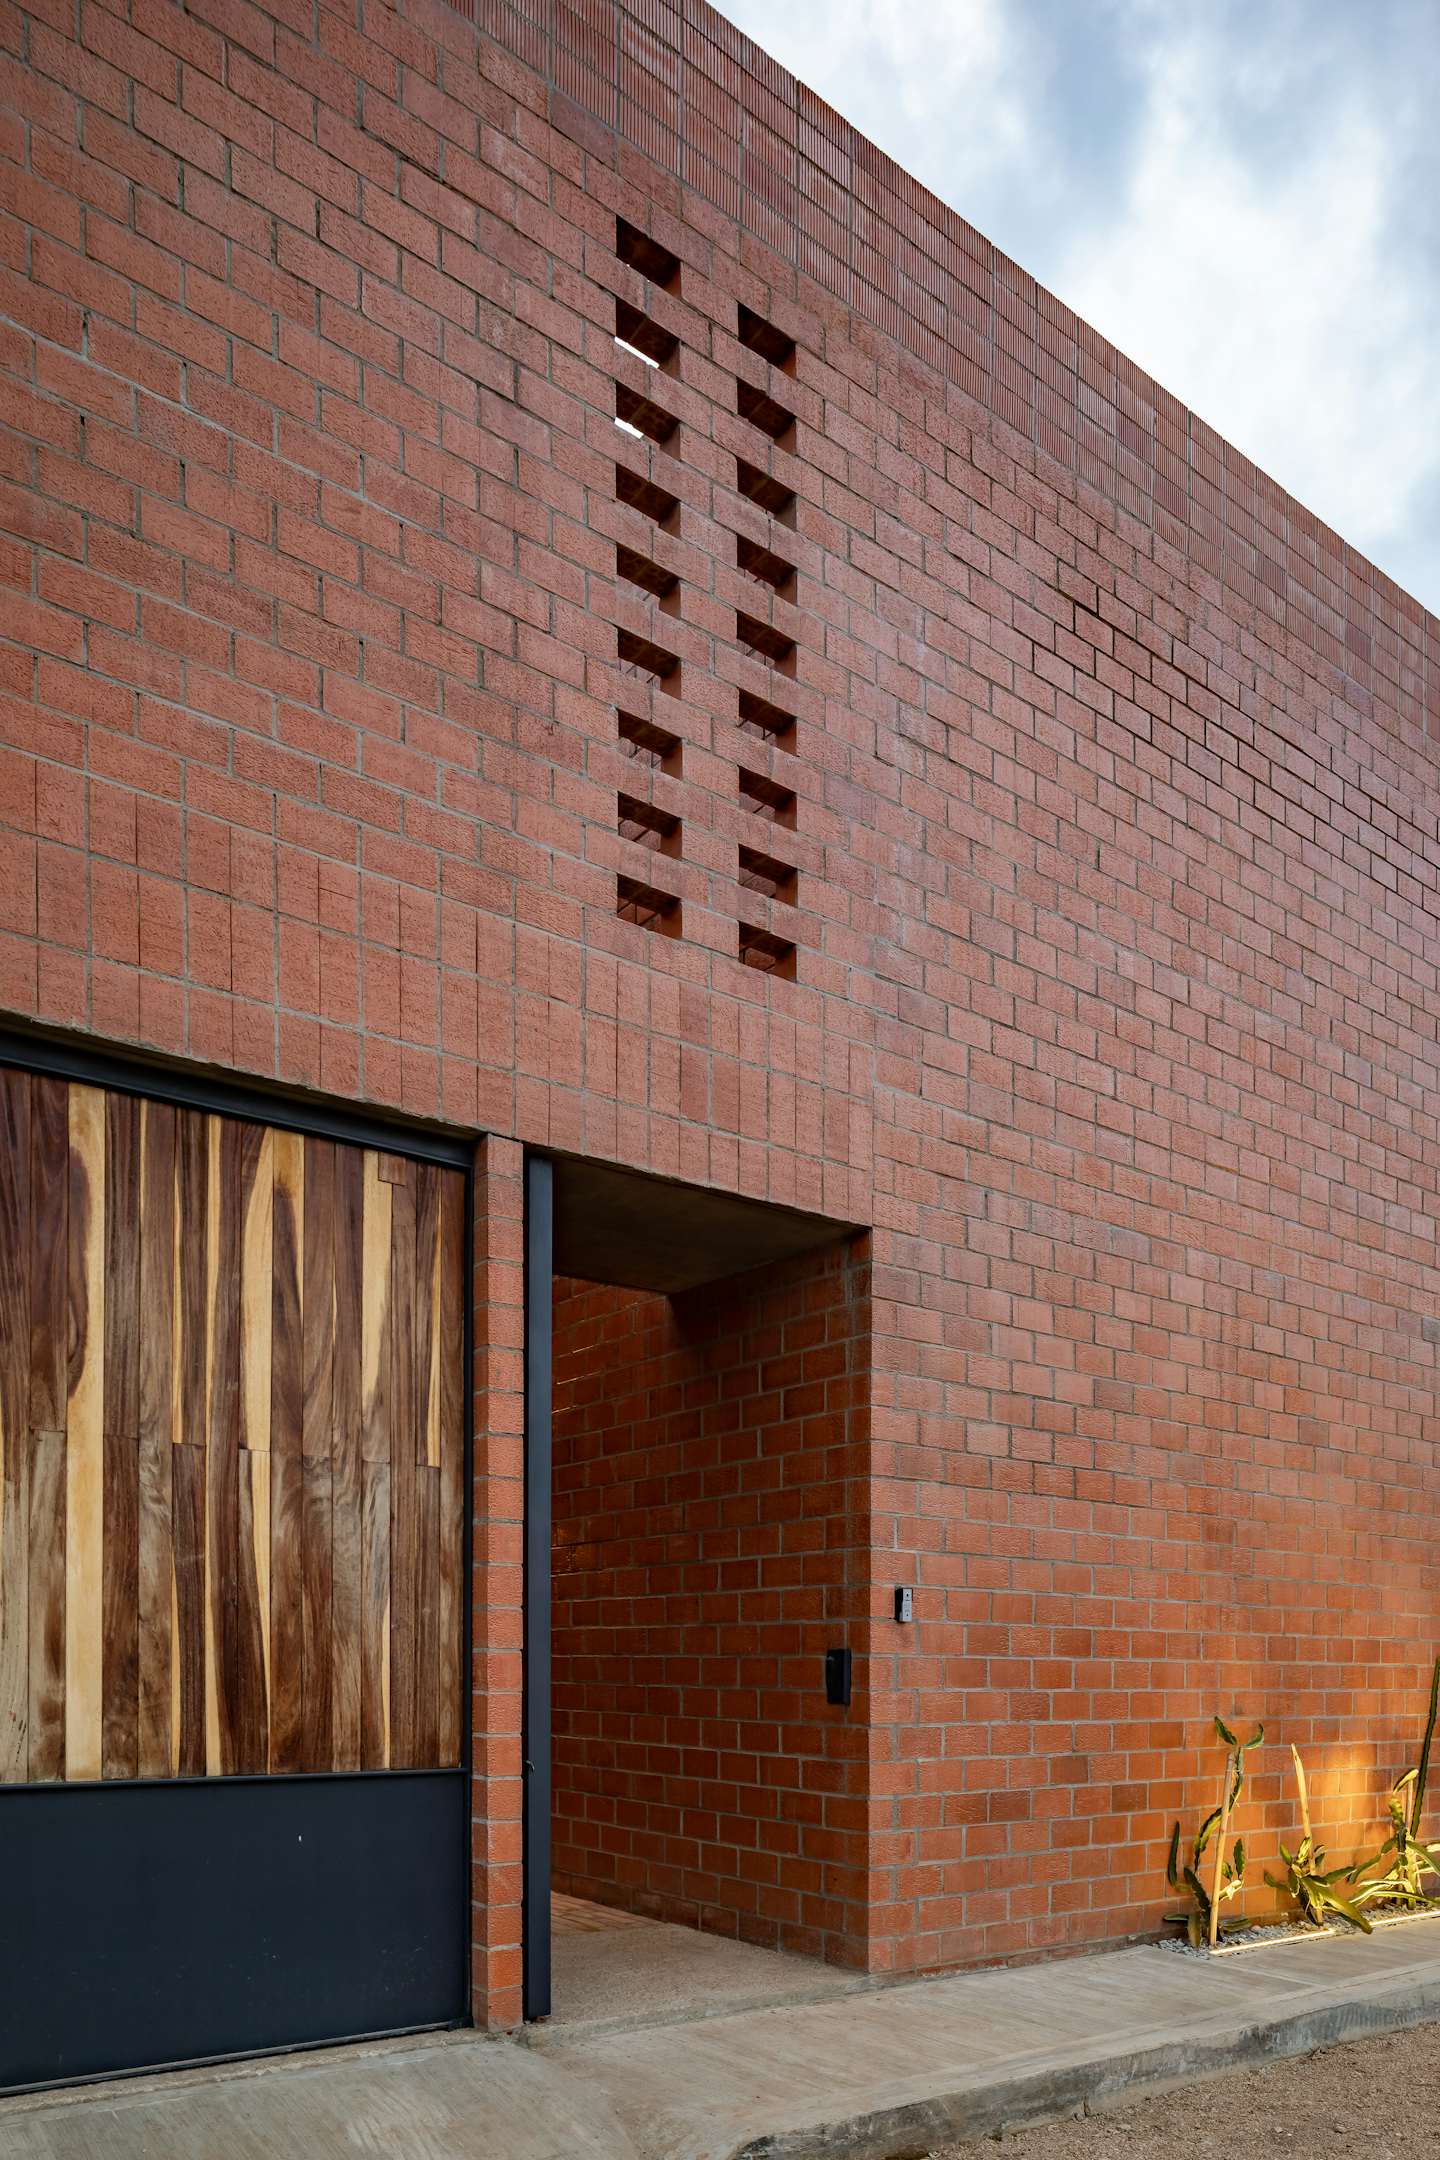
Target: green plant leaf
column 1350, row 1912
column 1259, row 1736
column 1224, row 1733
column 1172, row 1865
column 1239, row 1859
column 1202, row 1835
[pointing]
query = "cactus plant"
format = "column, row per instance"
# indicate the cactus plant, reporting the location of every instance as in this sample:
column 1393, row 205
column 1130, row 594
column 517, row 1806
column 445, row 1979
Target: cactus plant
column 1307, row 1879
column 1203, row 1924
column 1405, row 1803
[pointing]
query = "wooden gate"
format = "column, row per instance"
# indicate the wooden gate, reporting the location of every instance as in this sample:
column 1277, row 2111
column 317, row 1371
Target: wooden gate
column 232, row 1453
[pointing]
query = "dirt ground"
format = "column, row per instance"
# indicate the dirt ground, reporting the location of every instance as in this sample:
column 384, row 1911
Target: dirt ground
column 1371, row 2099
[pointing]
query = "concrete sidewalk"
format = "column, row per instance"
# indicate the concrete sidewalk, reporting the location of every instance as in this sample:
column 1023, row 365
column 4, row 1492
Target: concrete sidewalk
column 883, row 2072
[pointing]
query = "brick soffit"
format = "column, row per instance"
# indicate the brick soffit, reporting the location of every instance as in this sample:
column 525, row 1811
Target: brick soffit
column 660, row 76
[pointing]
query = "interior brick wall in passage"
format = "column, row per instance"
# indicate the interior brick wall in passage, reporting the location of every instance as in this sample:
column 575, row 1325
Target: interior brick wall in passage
column 709, row 1457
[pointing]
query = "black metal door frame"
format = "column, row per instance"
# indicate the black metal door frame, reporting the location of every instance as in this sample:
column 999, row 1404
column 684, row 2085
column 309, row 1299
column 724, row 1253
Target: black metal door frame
column 536, row 1708
column 81, row 1061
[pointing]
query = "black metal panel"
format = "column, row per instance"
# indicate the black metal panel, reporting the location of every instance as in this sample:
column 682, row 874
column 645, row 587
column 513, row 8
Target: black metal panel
column 176, row 1922
column 95, row 1066
column 539, row 1327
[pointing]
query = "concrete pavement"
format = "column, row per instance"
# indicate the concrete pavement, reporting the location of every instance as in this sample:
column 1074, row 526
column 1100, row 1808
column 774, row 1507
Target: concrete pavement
column 863, row 2075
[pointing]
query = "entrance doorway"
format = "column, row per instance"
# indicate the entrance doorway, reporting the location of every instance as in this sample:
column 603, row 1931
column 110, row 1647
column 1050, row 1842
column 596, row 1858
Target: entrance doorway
column 707, row 1413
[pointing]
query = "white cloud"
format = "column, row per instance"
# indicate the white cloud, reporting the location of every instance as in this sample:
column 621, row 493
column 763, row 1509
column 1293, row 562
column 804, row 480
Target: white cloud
column 1235, row 196
column 1270, row 301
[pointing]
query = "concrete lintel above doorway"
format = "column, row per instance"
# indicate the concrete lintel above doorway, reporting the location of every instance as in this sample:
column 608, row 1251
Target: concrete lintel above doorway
column 642, row 1232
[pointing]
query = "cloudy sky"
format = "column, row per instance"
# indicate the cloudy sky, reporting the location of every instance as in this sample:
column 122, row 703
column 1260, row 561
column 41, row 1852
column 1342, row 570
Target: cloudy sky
column 1244, row 195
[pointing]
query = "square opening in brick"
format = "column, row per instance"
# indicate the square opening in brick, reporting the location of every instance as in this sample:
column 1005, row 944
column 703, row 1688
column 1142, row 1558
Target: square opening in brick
column 648, row 744
column 647, row 825
column 653, row 344
column 757, row 716
column 650, row 576
column 766, row 642
column 646, row 255
column 764, row 565
column 639, row 415
column 765, row 338
column 763, row 489
column 770, row 954
column 764, row 412
column 641, row 656
column 647, row 906
column 767, row 874
column 765, row 798
column 643, row 495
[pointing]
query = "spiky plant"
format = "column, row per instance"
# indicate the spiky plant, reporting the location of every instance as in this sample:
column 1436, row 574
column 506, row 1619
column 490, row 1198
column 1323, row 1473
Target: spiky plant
column 1405, row 1804
column 1312, row 1885
column 1203, row 1924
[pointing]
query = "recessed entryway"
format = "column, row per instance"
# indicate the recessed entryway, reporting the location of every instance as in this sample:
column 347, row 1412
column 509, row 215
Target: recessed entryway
column 708, row 1363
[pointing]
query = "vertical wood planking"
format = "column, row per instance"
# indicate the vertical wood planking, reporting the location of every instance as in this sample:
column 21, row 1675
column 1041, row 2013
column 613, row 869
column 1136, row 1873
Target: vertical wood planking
column 375, row 1618
column 48, row 1388
column 319, row 1297
column 15, row 1449
column 192, row 1141
column 287, row 1487
column 120, row 1545
column 375, row 1295
column 195, row 1268
column 84, row 1436
column 425, row 1679
column 159, row 1430
column 317, row 1443
column 427, row 1614
column 47, row 1606
column 319, row 1738
column 222, row 1477
column 453, row 1268
column 245, row 1146
column 231, row 1445
column 48, row 1262
column 347, row 1585
column 404, row 1526
column 187, row 1472
column 427, row 1314
column 257, row 1316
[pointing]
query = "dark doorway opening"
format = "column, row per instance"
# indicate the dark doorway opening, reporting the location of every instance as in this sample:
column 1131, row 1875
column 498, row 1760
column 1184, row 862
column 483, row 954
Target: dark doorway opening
column 706, row 1432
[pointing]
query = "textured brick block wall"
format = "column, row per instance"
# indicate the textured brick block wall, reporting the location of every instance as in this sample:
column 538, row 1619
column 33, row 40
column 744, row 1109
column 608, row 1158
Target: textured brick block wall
column 710, row 1529
column 1098, row 843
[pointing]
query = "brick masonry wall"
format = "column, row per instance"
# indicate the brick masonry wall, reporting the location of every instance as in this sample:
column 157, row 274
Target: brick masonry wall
column 711, row 1504
column 1108, row 813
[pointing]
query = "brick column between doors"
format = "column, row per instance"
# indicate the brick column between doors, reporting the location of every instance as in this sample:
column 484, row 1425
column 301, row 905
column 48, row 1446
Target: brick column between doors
column 496, row 1584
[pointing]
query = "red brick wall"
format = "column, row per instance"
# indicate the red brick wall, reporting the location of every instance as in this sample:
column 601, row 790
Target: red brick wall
column 1114, row 818
column 710, row 1525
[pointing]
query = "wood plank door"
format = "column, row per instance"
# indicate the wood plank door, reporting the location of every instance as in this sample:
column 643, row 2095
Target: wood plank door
column 232, row 1462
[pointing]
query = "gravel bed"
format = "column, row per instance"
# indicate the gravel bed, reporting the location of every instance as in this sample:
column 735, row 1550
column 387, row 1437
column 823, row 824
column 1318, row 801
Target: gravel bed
column 1257, row 1938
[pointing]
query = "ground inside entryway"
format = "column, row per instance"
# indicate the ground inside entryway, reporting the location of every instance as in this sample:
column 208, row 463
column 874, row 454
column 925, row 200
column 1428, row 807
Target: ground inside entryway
column 616, row 1969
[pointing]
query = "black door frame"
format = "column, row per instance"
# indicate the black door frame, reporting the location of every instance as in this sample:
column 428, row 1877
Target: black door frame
column 536, row 1707
column 88, row 1064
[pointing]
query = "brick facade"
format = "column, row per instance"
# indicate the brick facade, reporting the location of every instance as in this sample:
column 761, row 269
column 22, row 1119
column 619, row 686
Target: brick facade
column 1040, row 805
